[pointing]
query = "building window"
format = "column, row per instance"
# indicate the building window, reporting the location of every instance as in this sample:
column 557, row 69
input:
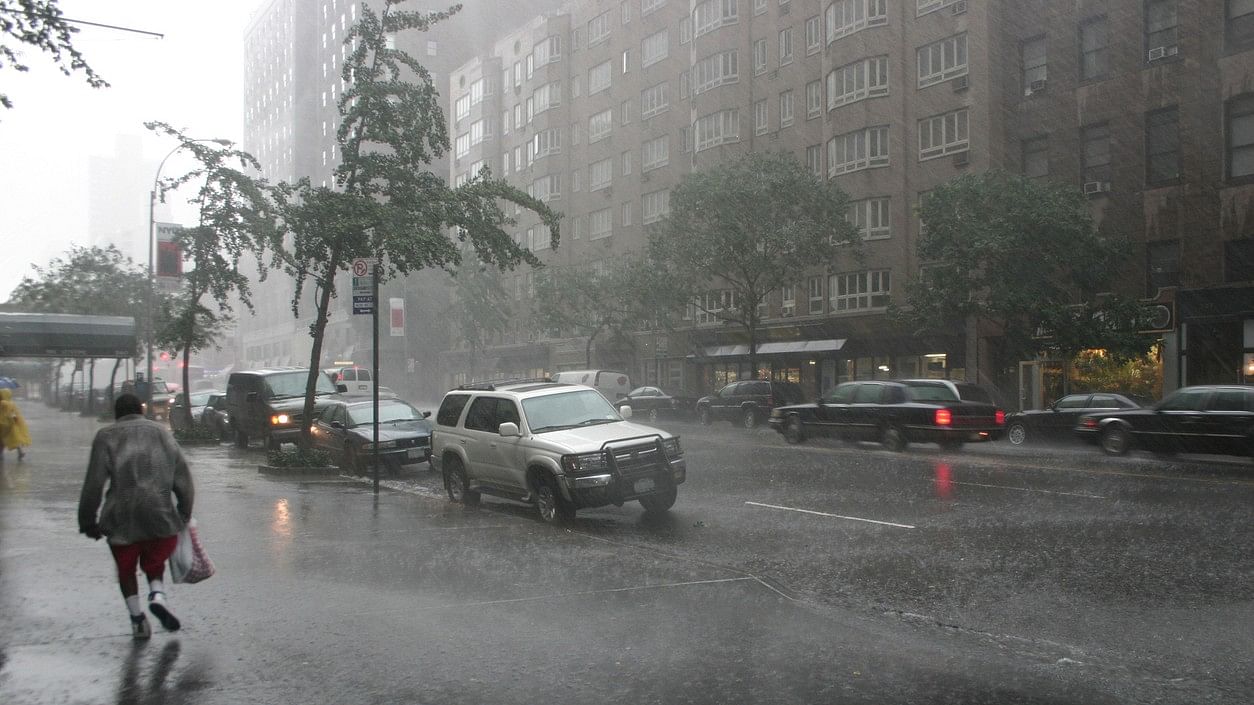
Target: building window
column 712, row 14
column 1033, row 59
column 785, row 46
column 761, row 117
column 546, row 142
column 926, row 6
column 599, row 126
column 600, row 174
column 814, row 159
column 656, row 205
column 1240, row 136
column 647, row 6
column 626, row 13
column 788, row 299
column 462, row 145
column 785, row 109
column 1240, row 25
column 625, row 109
column 685, row 30
column 1093, row 41
column 1162, row 265
column 844, row 17
column 654, row 48
column 717, row 128
column 653, row 101
column 870, row 217
column 599, row 28
column 858, row 150
column 1162, row 146
column 626, row 60
column 1095, row 154
column 599, row 77
column 813, row 35
column 859, row 290
column 627, row 208
column 943, row 60
column 814, row 287
column 625, row 160
column 759, row 57
column 715, row 70
column 1161, row 24
column 759, row 7
column 461, row 108
column 943, row 134
column 814, row 99
column 655, row 154
column 1036, row 157
column 860, row 80
column 1239, row 260
column 601, row 223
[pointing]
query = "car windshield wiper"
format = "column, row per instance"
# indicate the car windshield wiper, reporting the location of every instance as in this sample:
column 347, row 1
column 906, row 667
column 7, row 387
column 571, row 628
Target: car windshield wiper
column 595, row 422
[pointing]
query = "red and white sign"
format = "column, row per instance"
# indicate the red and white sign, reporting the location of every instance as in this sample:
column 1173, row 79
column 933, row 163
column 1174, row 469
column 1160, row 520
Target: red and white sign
column 397, row 319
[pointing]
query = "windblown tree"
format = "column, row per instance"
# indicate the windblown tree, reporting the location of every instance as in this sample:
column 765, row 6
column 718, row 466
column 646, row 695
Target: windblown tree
column 1026, row 256
column 591, row 302
column 481, row 307
column 40, row 24
column 743, row 229
column 94, row 281
column 235, row 219
column 386, row 203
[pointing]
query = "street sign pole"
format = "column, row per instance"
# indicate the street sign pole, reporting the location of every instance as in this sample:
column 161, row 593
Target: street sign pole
column 374, row 285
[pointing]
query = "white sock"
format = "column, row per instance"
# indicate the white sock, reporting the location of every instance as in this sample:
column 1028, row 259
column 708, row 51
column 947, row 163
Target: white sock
column 156, row 586
column 132, row 605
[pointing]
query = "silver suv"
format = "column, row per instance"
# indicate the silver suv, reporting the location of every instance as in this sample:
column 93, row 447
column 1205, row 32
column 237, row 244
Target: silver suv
column 561, row 447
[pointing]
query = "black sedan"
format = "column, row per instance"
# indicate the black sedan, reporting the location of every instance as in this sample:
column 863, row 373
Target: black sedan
column 1057, row 421
column 652, row 402
column 345, row 429
column 1204, row 419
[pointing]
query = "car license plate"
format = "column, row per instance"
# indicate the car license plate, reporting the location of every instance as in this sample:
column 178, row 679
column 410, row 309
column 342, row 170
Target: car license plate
column 414, row 453
column 644, row 484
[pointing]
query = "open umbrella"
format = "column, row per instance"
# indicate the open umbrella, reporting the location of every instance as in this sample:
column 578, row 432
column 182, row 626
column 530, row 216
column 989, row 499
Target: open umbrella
column 8, row 383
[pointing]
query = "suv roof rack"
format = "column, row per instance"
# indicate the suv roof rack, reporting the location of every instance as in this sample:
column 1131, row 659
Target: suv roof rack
column 495, row 384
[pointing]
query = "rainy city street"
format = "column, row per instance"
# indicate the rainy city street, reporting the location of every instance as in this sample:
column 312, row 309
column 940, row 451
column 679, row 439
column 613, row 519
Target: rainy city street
column 784, row 574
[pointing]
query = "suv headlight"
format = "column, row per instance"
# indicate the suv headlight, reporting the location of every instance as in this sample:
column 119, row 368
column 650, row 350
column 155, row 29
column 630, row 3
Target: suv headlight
column 585, row 462
column 672, row 448
column 279, row 419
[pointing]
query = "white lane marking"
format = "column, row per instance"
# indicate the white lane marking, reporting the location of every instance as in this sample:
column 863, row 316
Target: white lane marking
column 584, row 593
column 835, row 516
column 1028, row 489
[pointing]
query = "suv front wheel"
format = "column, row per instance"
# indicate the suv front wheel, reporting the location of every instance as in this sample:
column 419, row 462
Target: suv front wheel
column 660, row 502
column 457, row 484
column 749, row 419
column 549, row 500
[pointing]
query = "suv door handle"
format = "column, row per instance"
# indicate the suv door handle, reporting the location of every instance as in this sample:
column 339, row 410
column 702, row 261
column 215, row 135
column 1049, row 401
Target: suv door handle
column 462, row 441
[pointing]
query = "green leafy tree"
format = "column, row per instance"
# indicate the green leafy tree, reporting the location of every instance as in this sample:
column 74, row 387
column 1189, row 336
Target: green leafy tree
column 744, row 229
column 1027, row 257
column 94, row 281
column 481, row 306
column 235, row 219
column 590, row 302
column 386, row 202
column 40, row 24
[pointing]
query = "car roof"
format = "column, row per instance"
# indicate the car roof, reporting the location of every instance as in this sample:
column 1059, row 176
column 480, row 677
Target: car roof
column 527, row 389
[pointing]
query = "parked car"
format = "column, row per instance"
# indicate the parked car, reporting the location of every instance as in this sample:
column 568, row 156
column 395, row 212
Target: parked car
column 345, row 429
column 1059, row 419
column 561, row 447
column 184, row 415
column 1202, row 419
column 214, row 417
column 269, row 404
column 355, row 380
column 747, row 403
column 896, row 413
column 652, row 403
column 162, row 396
column 612, row 383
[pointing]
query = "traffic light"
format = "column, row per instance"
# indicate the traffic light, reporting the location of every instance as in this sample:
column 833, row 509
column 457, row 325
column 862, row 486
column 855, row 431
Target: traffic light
column 165, row 356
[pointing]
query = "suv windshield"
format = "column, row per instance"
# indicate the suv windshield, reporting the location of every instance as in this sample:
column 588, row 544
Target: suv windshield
column 363, row 414
column 292, row 384
column 554, row 412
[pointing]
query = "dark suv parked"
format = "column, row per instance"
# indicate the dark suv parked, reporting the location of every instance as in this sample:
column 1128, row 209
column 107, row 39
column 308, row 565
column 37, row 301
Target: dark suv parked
column 268, row 404
column 747, row 403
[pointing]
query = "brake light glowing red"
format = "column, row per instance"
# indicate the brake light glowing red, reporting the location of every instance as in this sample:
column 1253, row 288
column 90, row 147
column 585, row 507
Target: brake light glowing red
column 944, row 417
column 1000, row 417
column 1089, row 423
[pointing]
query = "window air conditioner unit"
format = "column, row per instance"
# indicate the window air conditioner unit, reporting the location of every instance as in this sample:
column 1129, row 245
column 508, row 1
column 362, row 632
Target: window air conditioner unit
column 1037, row 86
column 788, row 311
column 961, row 83
column 774, row 75
column 1162, row 52
column 962, row 159
column 959, row 7
column 1092, row 187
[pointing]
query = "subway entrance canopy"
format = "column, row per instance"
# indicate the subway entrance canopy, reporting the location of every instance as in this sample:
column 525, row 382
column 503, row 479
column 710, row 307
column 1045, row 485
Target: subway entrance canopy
column 66, row 335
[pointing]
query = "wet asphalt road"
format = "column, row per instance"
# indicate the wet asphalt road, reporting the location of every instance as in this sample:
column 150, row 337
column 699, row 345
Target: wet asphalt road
column 994, row 575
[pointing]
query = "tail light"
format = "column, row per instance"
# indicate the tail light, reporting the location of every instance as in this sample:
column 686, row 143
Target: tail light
column 1088, row 422
column 943, row 417
column 1000, row 417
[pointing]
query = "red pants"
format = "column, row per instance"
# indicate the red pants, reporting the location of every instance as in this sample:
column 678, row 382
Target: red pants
column 151, row 556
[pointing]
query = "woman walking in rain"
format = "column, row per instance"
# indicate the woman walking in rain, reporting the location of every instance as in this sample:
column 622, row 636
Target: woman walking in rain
column 13, row 430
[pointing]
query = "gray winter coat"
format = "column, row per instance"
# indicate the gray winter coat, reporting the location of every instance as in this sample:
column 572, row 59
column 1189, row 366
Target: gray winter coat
column 143, row 467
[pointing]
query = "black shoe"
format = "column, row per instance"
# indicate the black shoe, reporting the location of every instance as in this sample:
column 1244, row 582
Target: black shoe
column 156, row 605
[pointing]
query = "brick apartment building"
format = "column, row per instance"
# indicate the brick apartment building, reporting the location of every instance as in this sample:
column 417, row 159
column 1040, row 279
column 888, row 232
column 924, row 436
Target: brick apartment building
column 601, row 107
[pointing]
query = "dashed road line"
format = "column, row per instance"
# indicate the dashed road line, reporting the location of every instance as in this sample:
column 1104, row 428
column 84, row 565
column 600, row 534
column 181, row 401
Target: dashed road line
column 1027, row 489
column 834, row 516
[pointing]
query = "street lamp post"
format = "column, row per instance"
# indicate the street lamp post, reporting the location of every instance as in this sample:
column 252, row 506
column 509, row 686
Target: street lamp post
column 152, row 276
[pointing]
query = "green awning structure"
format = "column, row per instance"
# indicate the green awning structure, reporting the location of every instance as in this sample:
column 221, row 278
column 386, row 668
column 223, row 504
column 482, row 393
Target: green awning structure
column 66, row 335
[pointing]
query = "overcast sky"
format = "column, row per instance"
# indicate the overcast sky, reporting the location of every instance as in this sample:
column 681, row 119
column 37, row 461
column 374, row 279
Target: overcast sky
column 191, row 78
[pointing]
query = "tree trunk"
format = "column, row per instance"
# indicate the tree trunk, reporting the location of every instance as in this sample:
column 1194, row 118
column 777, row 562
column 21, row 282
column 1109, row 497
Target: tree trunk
column 752, row 328
column 113, row 376
column 319, row 328
column 587, row 348
column 91, row 387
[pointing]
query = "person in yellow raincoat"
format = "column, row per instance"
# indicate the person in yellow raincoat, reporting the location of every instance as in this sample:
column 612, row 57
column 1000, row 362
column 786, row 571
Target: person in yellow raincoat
column 13, row 431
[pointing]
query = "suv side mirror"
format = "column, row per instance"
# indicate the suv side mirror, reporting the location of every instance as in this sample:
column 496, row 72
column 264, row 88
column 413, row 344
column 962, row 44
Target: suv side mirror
column 625, row 411
column 336, row 424
column 341, row 388
column 426, row 414
column 507, row 429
